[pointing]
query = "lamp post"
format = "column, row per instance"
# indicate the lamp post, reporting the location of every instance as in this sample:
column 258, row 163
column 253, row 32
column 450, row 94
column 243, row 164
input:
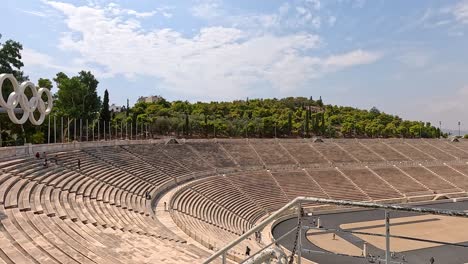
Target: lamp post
column 459, row 131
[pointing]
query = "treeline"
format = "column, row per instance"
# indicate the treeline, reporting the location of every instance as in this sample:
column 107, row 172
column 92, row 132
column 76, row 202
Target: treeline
column 288, row 117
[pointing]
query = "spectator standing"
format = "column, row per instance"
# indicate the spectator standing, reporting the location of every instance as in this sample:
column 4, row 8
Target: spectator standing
column 38, row 155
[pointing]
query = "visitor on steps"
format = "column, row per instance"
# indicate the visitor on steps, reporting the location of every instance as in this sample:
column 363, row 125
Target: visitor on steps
column 54, row 159
column 247, row 251
column 79, row 164
column 38, row 155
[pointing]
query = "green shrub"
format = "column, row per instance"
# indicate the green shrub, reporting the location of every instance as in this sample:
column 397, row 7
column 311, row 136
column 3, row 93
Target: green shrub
column 38, row 137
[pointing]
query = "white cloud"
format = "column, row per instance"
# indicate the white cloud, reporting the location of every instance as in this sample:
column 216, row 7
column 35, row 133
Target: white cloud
column 301, row 14
column 34, row 59
column 284, row 9
column 207, row 9
column 314, row 3
column 218, row 62
column 349, row 59
column 460, row 11
column 34, row 13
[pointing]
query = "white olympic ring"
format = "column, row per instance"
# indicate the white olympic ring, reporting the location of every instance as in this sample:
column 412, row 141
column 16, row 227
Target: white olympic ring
column 27, row 105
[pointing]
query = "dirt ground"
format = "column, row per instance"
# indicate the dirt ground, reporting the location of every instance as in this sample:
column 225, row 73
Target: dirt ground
column 439, row 228
column 337, row 245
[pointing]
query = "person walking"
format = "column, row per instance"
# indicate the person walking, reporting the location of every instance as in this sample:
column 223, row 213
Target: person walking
column 247, row 251
column 432, row 260
column 79, row 164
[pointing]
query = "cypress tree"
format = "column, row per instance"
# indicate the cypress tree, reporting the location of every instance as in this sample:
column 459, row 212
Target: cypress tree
column 105, row 113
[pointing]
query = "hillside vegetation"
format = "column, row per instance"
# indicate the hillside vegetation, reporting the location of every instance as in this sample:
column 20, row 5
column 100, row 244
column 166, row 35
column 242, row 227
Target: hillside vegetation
column 288, row 117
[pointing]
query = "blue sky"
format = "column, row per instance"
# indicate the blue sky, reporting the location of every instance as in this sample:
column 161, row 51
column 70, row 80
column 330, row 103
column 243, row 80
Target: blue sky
column 405, row 57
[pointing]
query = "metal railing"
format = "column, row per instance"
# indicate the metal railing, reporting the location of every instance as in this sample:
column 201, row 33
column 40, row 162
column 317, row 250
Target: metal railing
column 296, row 203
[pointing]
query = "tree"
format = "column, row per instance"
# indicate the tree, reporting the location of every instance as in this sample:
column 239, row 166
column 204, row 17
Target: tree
column 105, row 113
column 10, row 59
column 77, row 96
column 374, row 111
column 10, row 62
column 44, row 83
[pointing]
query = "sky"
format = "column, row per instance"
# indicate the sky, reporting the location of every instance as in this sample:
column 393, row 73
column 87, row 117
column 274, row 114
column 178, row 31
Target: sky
column 408, row 58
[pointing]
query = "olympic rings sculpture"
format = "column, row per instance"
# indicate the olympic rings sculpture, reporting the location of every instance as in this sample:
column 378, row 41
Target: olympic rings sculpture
column 17, row 97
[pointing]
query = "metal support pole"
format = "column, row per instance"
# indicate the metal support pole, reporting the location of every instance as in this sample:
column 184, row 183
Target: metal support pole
column 387, row 237
column 87, row 130
column 81, row 129
column 136, row 130
column 116, row 131
column 48, row 132
column 93, row 129
column 104, row 125
column 74, row 129
column 224, row 258
column 126, row 130
column 55, row 129
column 68, row 129
column 98, row 130
column 62, row 129
column 299, row 238
column 131, row 130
